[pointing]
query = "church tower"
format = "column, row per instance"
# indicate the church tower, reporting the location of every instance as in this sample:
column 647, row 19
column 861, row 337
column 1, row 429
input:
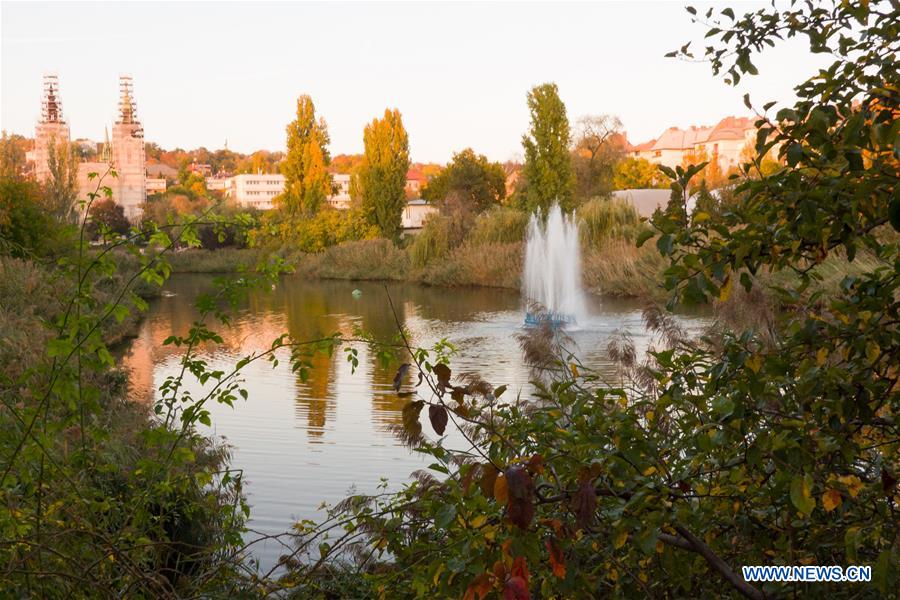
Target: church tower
column 51, row 129
column 129, row 188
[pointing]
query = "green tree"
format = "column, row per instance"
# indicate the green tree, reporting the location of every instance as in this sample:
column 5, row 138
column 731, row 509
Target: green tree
column 61, row 188
column 548, row 172
column 24, row 224
column 307, row 182
column 470, row 182
column 381, row 182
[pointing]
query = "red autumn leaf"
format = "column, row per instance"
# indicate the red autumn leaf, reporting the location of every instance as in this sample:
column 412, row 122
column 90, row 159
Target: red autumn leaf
column 480, row 586
column 584, row 503
column 438, row 416
column 557, row 561
column 516, row 589
column 520, row 496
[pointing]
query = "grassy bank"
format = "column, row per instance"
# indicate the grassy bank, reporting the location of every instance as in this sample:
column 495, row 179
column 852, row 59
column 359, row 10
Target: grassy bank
column 486, row 250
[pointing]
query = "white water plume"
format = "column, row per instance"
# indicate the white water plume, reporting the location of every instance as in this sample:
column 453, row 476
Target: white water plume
column 552, row 276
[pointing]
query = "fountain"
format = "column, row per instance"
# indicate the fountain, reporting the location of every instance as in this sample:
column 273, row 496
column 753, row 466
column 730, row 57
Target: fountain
column 552, row 278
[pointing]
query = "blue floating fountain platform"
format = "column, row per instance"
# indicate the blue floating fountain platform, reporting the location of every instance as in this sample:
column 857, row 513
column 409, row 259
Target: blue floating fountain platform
column 554, row 320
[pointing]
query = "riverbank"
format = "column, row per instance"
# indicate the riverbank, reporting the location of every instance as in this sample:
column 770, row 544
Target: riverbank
column 618, row 269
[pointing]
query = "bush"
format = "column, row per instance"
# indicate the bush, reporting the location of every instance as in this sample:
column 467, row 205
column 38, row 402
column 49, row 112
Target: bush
column 623, row 270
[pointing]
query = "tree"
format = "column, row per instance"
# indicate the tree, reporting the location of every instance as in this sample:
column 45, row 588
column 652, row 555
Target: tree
column 599, row 147
column 469, row 182
column 381, row 182
column 637, row 173
column 61, row 188
column 307, row 182
column 24, row 225
column 107, row 217
column 548, row 172
column 12, row 155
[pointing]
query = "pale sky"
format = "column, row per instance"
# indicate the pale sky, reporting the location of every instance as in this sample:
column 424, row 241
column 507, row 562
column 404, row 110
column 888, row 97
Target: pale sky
column 207, row 72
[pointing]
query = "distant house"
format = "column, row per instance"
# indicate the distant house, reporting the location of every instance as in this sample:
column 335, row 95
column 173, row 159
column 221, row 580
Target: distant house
column 415, row 181
column 254, row 191
column 155, row 185
column 161, row 171
column 215, row 184
column 415, row 214
column 341, row 199
column 201, row 169
column 723, row 142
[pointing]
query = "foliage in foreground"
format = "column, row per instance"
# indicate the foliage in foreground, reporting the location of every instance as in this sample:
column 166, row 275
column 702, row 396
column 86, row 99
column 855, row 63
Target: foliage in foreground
column 742, row 447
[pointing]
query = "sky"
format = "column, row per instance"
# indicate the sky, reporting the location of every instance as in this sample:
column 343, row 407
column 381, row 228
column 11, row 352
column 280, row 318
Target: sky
column 210, row 72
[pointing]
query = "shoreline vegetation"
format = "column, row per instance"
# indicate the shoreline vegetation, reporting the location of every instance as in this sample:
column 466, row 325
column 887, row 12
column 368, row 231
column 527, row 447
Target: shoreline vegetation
column 489, row 254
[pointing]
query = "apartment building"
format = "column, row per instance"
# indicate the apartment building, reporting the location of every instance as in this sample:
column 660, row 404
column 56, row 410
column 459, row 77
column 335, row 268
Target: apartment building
column 254, row 191
column 724, row 142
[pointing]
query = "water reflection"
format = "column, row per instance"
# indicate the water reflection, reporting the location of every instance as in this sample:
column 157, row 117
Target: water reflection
column 301, row 442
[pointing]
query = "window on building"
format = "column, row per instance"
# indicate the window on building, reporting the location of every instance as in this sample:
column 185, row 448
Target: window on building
column 658, row 153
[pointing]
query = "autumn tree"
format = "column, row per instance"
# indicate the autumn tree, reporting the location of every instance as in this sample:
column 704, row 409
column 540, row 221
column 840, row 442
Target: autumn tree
column 382, row 176
column 548, row 172
column 307, row 181
column 599, row 146
column 61, row 188
column 12, row 155
column 637, row 173
column 470, row 182
column 107, row 217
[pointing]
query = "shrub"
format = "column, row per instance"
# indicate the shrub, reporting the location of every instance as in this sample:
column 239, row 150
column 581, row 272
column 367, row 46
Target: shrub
column 491, row 265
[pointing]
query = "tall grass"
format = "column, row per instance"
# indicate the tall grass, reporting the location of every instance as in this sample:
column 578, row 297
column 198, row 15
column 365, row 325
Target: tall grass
column 490, row 265
column 621, row 269
column 603, row 219
column 500, row 225
column 439, row 235
column 221, row 260
column 364, row 259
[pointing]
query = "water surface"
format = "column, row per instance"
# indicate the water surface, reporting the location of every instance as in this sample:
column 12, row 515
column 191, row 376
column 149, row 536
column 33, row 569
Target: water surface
column 300, row 443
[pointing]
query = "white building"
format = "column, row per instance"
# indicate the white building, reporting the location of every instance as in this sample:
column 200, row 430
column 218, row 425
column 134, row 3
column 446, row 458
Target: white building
column 254, row 191
column 723, row 142
column 215, row 184
column 155, row 185
column 340, row 200
column 415, row 214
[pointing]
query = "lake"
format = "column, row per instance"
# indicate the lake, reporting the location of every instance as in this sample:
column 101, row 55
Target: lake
column 300, row 443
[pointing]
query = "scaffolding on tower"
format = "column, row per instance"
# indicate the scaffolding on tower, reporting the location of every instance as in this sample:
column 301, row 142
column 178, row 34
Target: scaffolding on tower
column 51, row 105
column 127, row 106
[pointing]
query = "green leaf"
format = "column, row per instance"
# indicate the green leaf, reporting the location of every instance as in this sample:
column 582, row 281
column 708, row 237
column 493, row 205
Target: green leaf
column 801, row 496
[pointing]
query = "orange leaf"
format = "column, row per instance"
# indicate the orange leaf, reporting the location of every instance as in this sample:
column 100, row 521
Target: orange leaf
column 520, row 569
column 488, row 479
column 500, row 489
column 516, row 589
column 831, row 499
column 536, row 464
column 557, row 561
